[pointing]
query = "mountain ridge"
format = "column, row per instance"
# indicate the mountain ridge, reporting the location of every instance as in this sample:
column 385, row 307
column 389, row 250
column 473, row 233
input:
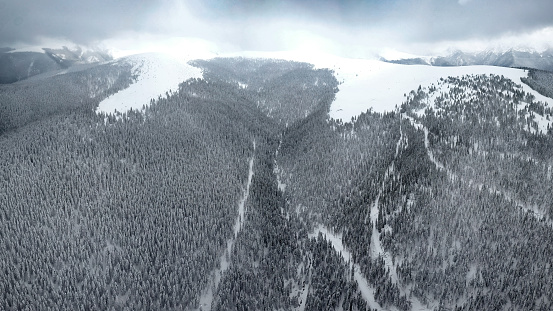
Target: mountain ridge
column 21, row 64
column 510, row 58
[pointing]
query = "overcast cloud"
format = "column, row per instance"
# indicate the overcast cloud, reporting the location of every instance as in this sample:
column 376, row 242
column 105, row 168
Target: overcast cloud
column 350, row 27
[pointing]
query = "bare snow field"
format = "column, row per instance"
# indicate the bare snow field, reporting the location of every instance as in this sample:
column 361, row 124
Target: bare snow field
column 157, row 73
column 381, row 86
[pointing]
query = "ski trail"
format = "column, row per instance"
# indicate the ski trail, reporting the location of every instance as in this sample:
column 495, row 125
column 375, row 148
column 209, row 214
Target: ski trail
column 438, row 165
column 429, row 152
column 242, row 205
column 281, row 185
column 536, row 213
column 206, row 297
column 376, row 249
column 367, row 291
column 277, row 170
column 305, row 290
column 398, row 144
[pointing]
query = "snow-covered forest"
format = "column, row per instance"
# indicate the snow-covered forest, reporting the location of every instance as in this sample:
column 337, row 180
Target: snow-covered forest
column 237, row 190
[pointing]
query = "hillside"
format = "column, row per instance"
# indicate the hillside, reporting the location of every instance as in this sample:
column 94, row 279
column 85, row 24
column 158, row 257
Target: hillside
column 46, row 95
column 157, row 75
column 382, row 86
column 240, row 183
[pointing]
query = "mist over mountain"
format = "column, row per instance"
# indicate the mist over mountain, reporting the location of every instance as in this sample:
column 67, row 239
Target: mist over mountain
column 511, row 58
column 17, row 65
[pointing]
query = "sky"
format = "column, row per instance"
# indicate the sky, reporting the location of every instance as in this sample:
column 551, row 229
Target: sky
column 346, row 28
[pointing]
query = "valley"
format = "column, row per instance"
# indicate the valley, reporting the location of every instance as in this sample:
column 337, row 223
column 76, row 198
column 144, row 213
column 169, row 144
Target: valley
column 276, row 181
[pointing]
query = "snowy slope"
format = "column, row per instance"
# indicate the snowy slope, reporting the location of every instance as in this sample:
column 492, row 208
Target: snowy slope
column 381, row 86
column 367, row 291
column 364, row 83
column 206, row 298
column 158, row 74
column 371, row 83
column 469, row 94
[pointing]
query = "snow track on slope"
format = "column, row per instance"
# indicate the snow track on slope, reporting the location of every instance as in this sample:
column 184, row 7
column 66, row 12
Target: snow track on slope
column 367, row 291
column 225, row 260
column 157, row 74
column 532, row 210
column 376, row 249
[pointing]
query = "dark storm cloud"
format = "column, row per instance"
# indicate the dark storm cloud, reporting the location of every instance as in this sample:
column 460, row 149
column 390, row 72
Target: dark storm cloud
column 427, row 20
column 466, row 19
column 267, row 24
column 383, row 23
column 75, row 20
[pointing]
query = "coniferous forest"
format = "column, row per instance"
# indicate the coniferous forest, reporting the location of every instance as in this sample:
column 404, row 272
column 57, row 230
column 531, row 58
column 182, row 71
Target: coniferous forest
column 238, row 192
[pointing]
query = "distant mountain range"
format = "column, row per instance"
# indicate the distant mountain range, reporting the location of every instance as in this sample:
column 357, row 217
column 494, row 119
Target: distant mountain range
column 511, row 58
column 16, row 65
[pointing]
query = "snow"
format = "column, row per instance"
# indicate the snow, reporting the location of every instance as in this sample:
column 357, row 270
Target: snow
column 364, row 83
column 381, row 86
column 158, row 74
column 471, row 274
column 367, row 291
column 93, row 59
column 300, row 289
column 303, row 297
column 335, row 239
column 30, row 68
column 376, row 249
column 542, row 122
column 241, row 205
column 392, row 54
column 533, row 210
column 278, row 171
column 371, row 83
column 438, row 165
column 206, row 297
